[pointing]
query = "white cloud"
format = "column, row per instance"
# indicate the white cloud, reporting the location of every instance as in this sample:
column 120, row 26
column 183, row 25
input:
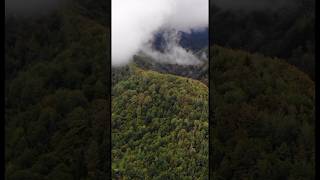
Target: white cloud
column 134, row 23
column 173, row 53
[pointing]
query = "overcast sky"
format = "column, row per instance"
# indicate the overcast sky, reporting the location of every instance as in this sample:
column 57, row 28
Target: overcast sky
column 134, row 22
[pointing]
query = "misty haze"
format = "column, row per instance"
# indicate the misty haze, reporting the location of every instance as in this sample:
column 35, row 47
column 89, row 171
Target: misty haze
column 140, row 27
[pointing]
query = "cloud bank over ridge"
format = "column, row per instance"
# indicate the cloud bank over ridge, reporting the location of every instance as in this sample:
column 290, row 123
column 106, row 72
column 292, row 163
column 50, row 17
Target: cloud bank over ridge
column 134, row 24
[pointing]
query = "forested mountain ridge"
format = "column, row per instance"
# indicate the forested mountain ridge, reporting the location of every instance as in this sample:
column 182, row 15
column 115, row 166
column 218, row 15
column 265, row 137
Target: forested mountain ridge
column 263, row 118
column 197, row 71
column 194, row 40
column 286, row 32
column 159, row 127
column 57, row 107
column 56, row 96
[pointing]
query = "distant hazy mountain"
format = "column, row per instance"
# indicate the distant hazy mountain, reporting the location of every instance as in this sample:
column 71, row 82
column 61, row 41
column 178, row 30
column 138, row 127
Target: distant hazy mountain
column 195, row 40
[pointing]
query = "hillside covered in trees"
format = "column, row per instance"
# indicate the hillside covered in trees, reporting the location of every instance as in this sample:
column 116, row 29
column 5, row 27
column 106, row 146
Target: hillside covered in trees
column 285, row 31
column 57, row 101
column 159, row 127
column 56, row 93
column 263, row 118
column 262, row 89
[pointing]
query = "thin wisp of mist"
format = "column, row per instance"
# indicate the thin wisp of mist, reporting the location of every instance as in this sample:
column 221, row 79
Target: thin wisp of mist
column 172, row 52
column 135, row 23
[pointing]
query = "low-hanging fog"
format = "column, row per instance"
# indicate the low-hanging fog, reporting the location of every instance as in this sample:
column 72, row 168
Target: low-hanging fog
column 135, row 22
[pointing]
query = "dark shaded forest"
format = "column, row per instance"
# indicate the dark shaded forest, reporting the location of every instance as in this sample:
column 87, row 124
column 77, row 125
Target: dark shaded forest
column 264, row 118
column 197, row 72
column 56, row 93
column 286, row 32
column 262, row 90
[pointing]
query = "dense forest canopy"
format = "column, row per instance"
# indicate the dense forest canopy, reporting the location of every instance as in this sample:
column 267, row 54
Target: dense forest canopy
column 263, row 95
column 159, row 126
column 263, row 123
column 56, row 98
column 285, row 31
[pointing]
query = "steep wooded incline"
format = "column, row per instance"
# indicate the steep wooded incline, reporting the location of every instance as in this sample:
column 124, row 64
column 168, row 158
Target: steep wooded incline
column 159, row 127
column 263, row 123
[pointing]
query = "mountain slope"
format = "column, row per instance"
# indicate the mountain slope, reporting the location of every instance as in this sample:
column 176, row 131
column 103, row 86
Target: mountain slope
column 264, row 120
column 56, row 101
column 197, row 71
column 159, row 127
column 287, row 32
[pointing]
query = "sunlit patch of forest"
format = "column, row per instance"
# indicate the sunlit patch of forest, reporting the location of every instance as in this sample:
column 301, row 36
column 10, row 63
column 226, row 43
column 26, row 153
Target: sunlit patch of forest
column 159, row 127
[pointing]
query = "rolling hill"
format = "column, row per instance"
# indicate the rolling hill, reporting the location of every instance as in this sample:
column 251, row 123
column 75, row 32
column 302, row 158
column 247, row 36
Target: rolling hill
column 263, row 123
column 56, row 105
column 159, row 127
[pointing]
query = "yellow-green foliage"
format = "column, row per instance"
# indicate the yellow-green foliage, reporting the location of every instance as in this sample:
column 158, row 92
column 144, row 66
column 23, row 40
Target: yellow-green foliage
column 159, row 127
